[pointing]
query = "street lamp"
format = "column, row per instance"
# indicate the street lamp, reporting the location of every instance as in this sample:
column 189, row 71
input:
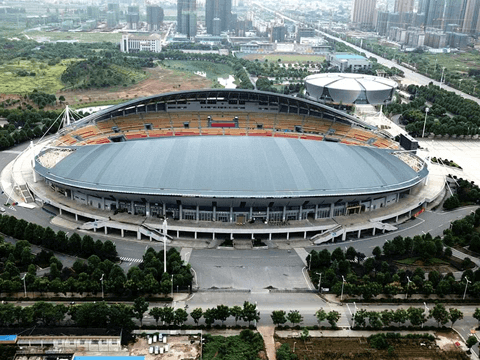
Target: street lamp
column 165, row 246
column 343, row 282
column 319, row 283
column 425, row 122
column 101, row 279
column 172, row 287
column 25, row 285
column 294, row 343
column 426, row 309
column 408, row 285
column 466, row 285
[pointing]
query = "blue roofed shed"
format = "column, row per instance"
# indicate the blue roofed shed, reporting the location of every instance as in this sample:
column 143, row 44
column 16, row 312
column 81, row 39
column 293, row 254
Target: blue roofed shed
column 8, row 339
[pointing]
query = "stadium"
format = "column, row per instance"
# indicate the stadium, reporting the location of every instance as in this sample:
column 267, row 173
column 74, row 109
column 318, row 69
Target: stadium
column 349, row 89
column 226, row 163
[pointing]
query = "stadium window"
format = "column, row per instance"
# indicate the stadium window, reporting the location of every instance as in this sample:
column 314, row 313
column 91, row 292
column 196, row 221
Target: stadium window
column 148, row 127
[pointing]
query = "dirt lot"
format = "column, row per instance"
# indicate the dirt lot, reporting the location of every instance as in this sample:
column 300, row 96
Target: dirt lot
column 358, row 348
column 180, row 347
column 161, row 80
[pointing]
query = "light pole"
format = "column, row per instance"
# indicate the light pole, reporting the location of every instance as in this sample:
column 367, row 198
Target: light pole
column 466, row 285
column 101, row 279
column 425, row 122
column 343, row 282
column 319, row 283
column 25, row 285
column 442, row 78
column 165, row 246
column 172, row 287
column 408, row 285
column 186, row 256
column 426, row 309
column 294, row 343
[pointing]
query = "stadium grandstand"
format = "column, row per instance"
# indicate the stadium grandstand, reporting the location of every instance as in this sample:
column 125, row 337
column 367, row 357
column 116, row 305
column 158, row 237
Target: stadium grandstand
column 225, row 163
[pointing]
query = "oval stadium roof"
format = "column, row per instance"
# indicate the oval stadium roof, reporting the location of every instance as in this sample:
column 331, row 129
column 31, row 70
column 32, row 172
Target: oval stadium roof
column 229, row 166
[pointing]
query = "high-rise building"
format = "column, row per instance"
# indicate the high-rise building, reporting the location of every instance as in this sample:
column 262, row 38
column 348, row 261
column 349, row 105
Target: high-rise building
column 278, row 33
column 115, row 15
column 93, row 12
column 363, row 13
column 133, row 17
column 218, row 9
column 154, row 17
column 403, row 6
column 453, row 10
column 470, row 18
column 434, row 15
column 187, row 17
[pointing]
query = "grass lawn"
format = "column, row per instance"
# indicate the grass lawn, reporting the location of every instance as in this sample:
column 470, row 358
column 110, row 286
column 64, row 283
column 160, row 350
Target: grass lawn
column 212, row 70
column 455, row 62
column 80, row 36
column 47, row 78
column 409, row 261
column 285, row 58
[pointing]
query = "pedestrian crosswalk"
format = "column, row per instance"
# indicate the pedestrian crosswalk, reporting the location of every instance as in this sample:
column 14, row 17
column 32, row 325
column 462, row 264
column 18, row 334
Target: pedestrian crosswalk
column 127, row 259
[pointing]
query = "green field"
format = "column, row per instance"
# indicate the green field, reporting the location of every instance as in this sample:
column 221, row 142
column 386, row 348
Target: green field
column 212, row 70
column 80, row 36
column 288, row 58
column 47, row 78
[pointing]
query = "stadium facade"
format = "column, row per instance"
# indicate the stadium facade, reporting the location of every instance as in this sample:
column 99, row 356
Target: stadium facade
column 212, row 158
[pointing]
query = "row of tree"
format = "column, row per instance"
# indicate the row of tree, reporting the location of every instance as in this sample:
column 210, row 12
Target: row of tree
column 467, row 192
column 280, row 317
column 417, row 316
column 380, row 275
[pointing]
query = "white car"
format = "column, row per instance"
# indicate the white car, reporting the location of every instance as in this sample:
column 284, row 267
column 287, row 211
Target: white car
column 2, row 210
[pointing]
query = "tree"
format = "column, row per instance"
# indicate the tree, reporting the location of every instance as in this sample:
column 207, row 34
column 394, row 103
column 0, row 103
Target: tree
column 351, row 253
column 476, row 314
column 168, row 315
column 338, row 254
column 156, row 313
column 209, row 316
column 440, row 314
column 180, row 317
column 294, row 317
column 305, row 335
column 222, row 312
column 140, row 306
column 377, row 252
column 455, row 315
column 360, row 317
column 321, row 315
column 250, row 312
column 279, row 317
column 333, row 317
column 472, row 340
column 400, row 316
column 196, row 315
column 416, row 316
column 237, row 312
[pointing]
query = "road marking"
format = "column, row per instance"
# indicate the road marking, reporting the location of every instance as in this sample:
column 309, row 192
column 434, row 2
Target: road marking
column 131, row 260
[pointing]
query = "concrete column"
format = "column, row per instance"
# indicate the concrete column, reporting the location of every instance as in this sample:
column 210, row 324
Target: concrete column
column 60, row 211
column 332, row 210
column 300, row 213
column 288, row 236
column 231, row 236
column 215, row 214
column 344, row 236
column 383, row 232
column 284, row 212
column 396, row 218
column 198, row 213
column 213, row 236
column 253, row 236
column 139, row 235
column 117, row 204
column 251, row 213
column 76, row 217
column 270, row 236
column 359, row 233
column 94, row 229
column 103, row 203
column 122, row 232
column 71, row 194
column 374, row 231
column 164, row 209
column 316, row 212
column 180, row 212
column 106, row 230
column 178, row 234
column 304, row 234
column 410, row 214
column 147, row 208
column 231, row 213
column 268, row 213
column 195, row 235
column 133, row 207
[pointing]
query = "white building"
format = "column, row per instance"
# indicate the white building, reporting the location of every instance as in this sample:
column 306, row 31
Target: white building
column 135, row 43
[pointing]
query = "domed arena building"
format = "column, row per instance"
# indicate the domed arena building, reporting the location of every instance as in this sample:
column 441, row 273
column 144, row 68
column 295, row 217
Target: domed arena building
column 349, row 89
column 227, row 163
